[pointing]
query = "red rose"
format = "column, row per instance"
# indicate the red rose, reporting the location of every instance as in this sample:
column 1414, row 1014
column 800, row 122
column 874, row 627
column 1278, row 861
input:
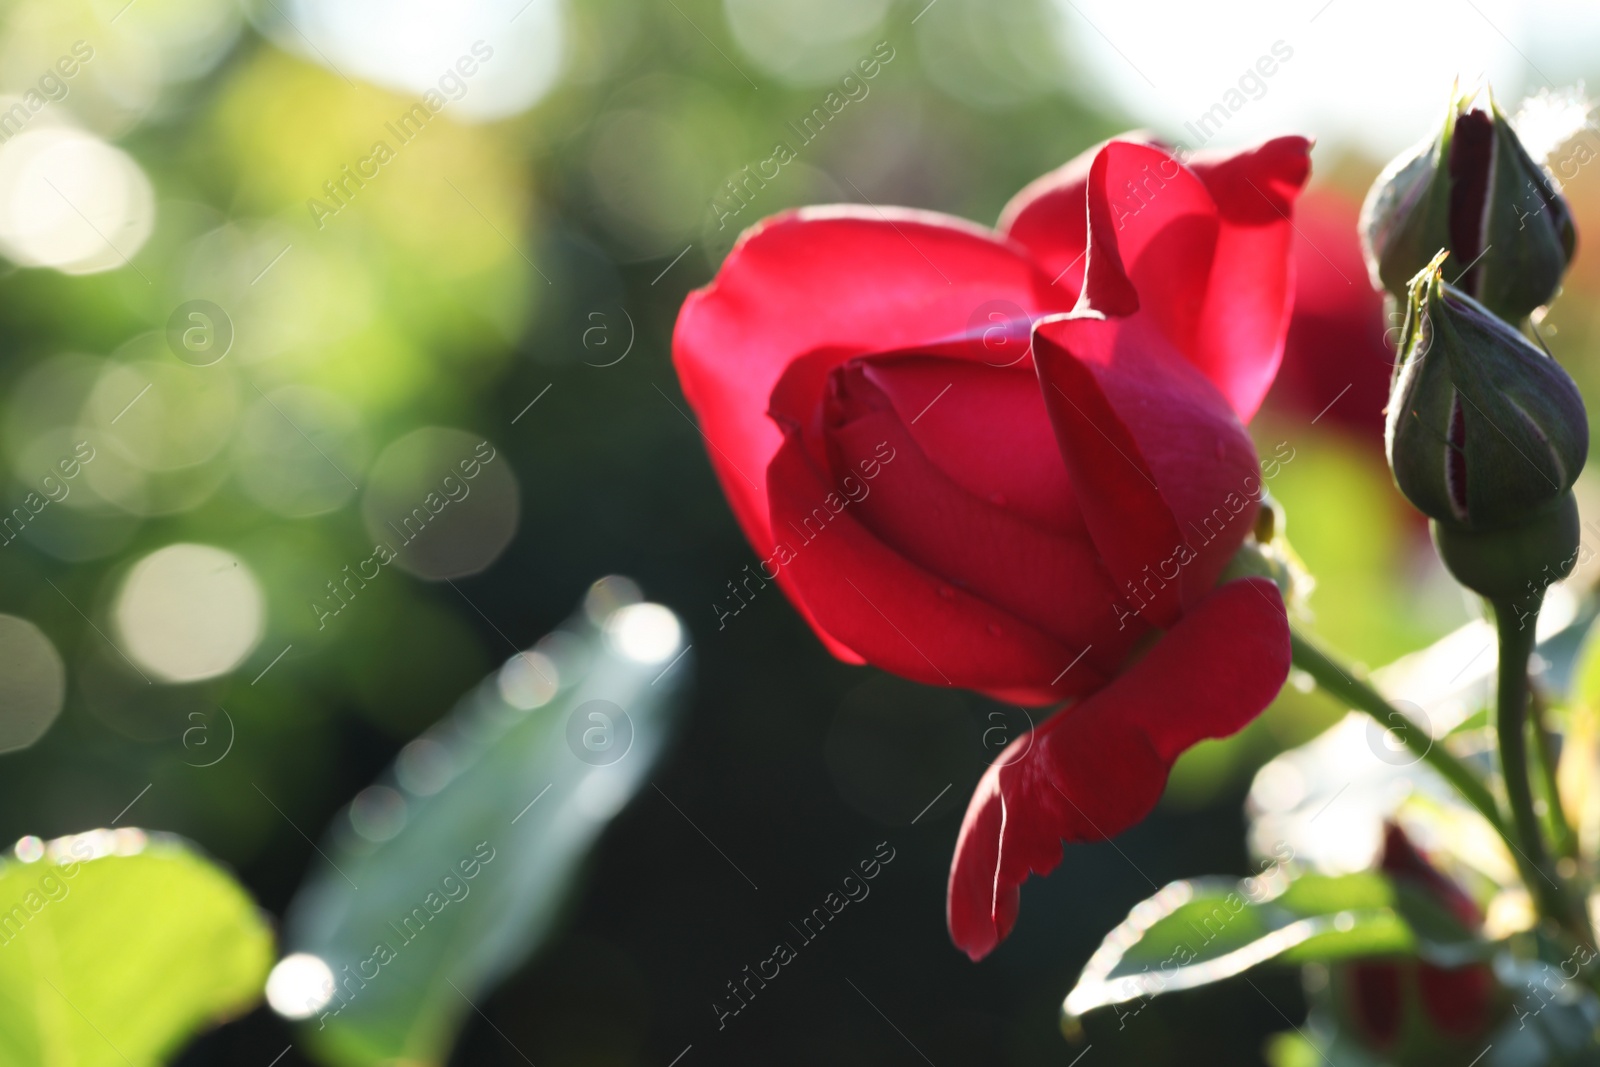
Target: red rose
column 1337, row 359
column 1412, row 1010
column 944, row 500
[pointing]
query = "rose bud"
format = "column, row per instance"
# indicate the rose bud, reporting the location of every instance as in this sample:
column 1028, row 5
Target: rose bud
column 1486, row 435
column 1472, row 190
column 1410, row 1010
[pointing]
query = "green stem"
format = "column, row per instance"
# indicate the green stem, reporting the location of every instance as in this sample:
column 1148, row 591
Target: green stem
column 1516, row 637
column 1361, row 696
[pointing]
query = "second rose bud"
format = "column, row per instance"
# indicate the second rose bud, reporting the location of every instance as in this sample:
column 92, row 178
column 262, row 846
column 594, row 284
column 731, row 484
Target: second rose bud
column 1473, row 190
column 1486, row 435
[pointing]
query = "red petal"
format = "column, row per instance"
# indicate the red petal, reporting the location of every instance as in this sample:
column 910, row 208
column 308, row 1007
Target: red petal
column 895, row 613
column 988, row 430
column 1151, row 230
column 1096, row 768
column 1403, row 859
column 1204, row 249
column 1049, row 579
column 847, row 280
column 1251, row 291
column 1050, row 218
column 1336, row 359
column 1166, row 478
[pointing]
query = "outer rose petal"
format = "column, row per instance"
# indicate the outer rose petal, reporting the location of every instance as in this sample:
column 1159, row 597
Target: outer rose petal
column 1096, row 768
column 1049, row 217
column 1251, row 293
column 845, row 279
column 1167, row 479
column 840, row 281
column 1206, row 248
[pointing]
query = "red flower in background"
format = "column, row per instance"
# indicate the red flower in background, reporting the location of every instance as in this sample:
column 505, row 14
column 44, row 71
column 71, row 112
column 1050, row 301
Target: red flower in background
column 1336, row 362
column 1413, row 1008
column 943, row 500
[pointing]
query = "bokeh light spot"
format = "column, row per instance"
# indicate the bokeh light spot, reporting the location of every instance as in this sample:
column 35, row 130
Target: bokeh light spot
column 512, row 48
column 528, row 680
column 378, row 813
column 444, row 501
column 188, row 612
column 299, row 986
column 298, row 450
column 71, row 201
column 645, row 633
column 33, row 683
column 424, row 767
column 29, row 849
column 804, row 42
column 607, row 595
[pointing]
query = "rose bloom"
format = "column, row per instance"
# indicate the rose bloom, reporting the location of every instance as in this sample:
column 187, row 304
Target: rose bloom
column 1014, row 461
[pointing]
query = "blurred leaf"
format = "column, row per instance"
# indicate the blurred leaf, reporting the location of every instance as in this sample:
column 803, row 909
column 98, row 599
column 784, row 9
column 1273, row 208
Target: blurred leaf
column 1553, row 1022
column 1448, row 682
column 1578, row 772
column 114, row 950
column 1296, row 1049
column 1586, row 669
column 464, row 861
column 1478, row 720
column 1578, row 775
column 1196, row 932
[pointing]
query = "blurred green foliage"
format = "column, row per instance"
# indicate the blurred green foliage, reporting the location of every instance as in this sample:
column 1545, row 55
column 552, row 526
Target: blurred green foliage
column 115, row 950
column 453, row 851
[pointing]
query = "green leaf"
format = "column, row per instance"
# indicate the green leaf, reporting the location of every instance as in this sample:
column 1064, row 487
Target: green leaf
column 116, row 948
column 1586, row 669
column 1482, row 719
column 500, row 806
column 1553, row 1021
column 1200, row 931
column 1297, row 1049
column 1549, row 1021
